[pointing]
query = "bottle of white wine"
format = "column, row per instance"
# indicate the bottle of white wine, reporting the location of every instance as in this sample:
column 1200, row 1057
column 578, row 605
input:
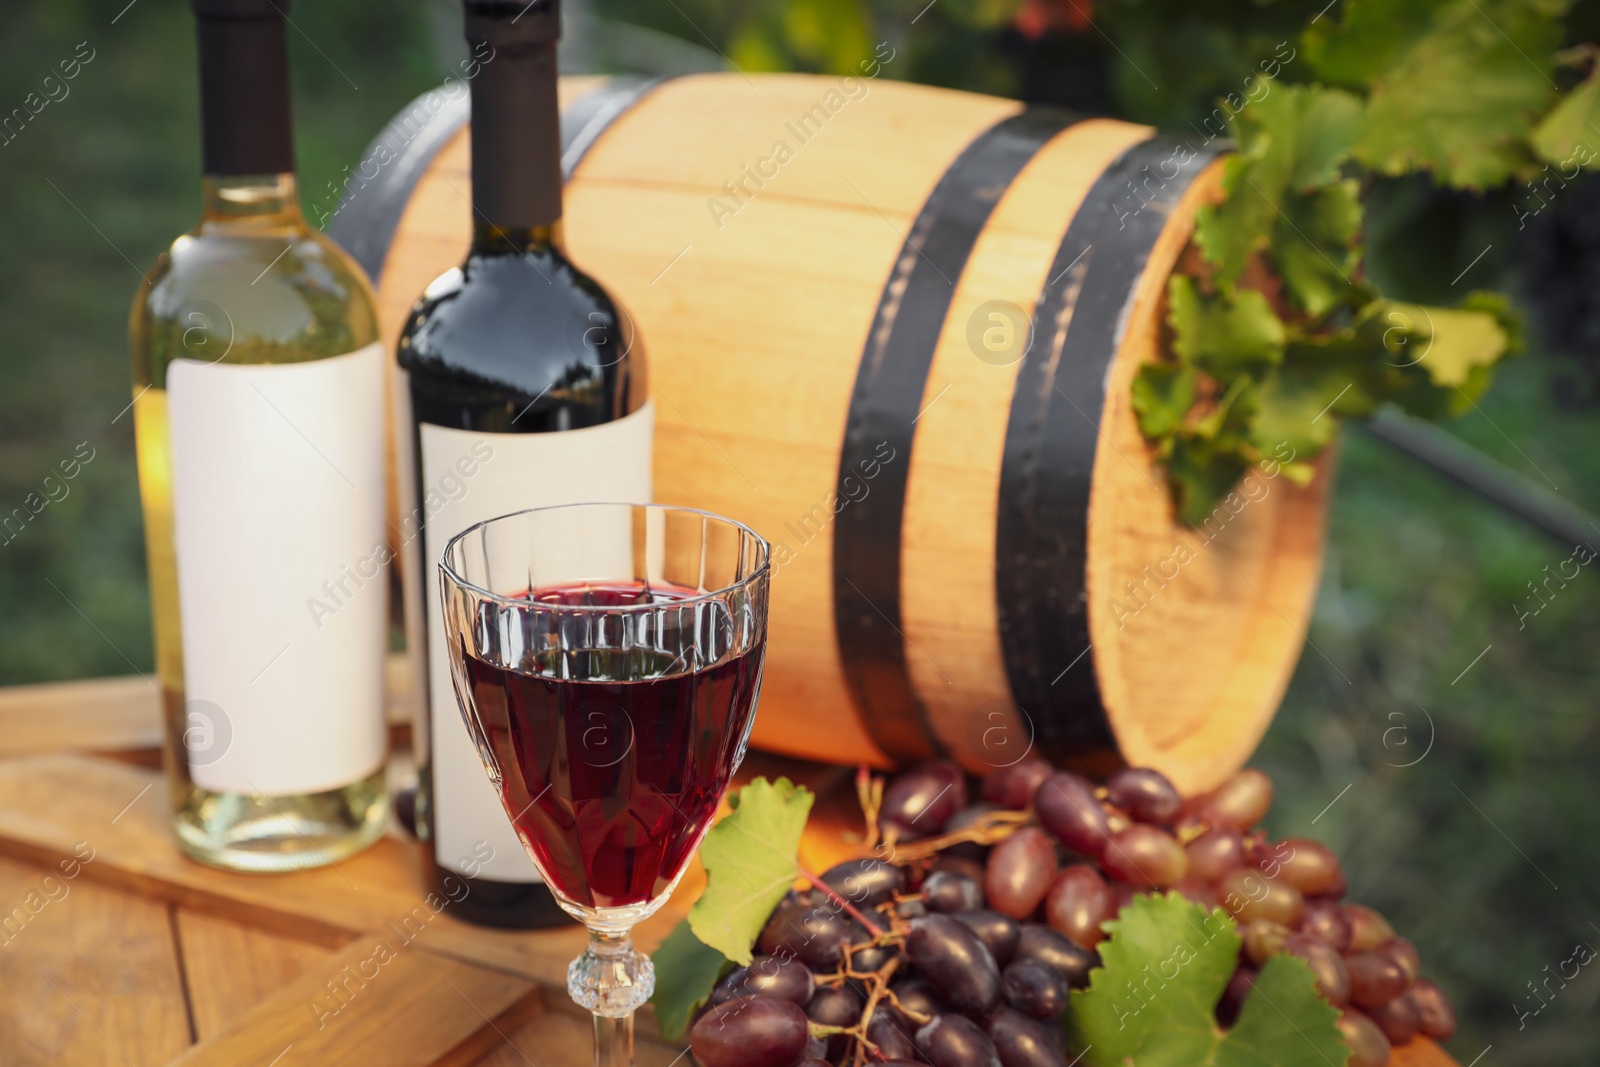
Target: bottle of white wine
column 521, row 384
column 258, row 386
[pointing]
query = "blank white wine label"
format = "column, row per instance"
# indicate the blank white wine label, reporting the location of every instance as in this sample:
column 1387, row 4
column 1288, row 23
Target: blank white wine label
column 278, row 515
column 466, row 478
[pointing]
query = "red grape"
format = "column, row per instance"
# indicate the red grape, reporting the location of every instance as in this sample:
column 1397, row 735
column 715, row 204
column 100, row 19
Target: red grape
column 1263, row 940
column 1021, row 869
column 885, row 1031
column 920, row 801
column 1145, row 856
column 813, row 934
column 767, row 976
column 1368, row 1046
column 1063, row 955
column 1308, row 865
column 971, row 866
column 1398, row 1019
column 1250, row 895
column 1196, row 891
column 1241, row 802
column 955, row 1041
column 999, row 933
column 1024, row 1042
column 1327, row 967
column 750, row 1032
column 1434, row 1013
column 1215, row 853
column 1233, row 997
column 835, row 1006
column 948, row 891
column 916, row 995
column 1145, row 794
column 1404, row 953
column 1034, row 989
column 1375, row 978
column 951, row 957
column 1013, row 787
column 1338, row 889
column 866, row 882
column 1078, row 903
column 1368, row 929
column 1326, row 919
column 1067, row 807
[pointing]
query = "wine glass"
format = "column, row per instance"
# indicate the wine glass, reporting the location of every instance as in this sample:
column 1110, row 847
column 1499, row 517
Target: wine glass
column 607, row 660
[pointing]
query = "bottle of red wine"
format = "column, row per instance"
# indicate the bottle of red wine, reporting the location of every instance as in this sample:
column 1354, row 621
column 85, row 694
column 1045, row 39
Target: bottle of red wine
column 522, row 384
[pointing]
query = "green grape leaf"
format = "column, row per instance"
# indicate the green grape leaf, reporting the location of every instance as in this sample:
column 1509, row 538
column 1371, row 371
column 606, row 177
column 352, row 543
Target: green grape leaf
column 750, row 862
column 1284, row 1022
column 1163, row 393
column 1461, row 98
column 1314, row 246
column 1454, row 340
column 1229, row 333
column 1200, row 472
column 687, row 970
column 1293, row 139
column 1366, row 39
column 1568, row 136
column 1300, row 407
column 1153, row 1002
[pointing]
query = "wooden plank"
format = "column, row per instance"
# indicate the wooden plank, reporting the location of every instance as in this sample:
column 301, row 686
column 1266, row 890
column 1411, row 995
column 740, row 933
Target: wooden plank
column 379, row 1001
column 90, row 973
column 229, row 967
column 49, row 803
column 122, row 716
column 561, row 1034
column 94, row 715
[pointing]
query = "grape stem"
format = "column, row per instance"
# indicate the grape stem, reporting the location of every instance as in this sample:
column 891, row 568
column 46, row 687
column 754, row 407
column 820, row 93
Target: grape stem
column 987, row 829
column 869, row 792
column 849, row 909
column 880, row 986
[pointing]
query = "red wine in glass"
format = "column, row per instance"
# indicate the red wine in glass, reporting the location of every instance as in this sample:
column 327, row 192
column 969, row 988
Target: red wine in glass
column 607, row 660
column 613, row 761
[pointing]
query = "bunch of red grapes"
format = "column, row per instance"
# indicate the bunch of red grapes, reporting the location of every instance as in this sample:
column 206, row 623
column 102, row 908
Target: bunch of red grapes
column 958, row 946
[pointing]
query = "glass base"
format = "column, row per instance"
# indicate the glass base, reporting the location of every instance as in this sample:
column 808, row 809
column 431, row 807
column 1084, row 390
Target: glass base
column 246, row 832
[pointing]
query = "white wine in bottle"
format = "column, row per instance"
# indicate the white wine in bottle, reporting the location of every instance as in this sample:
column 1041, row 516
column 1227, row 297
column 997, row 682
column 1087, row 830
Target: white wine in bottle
column 258, row 386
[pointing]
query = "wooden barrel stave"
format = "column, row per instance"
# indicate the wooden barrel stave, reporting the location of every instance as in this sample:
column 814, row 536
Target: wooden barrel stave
column 756, row 330
column 955, row 466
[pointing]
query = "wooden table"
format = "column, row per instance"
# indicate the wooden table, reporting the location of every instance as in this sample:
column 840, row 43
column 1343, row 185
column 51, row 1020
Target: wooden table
column 116, row 950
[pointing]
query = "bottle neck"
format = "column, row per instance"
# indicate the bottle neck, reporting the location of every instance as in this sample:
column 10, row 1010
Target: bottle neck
column 245, row 123
column 489, row 239
column 516, row 120
column 250, row 202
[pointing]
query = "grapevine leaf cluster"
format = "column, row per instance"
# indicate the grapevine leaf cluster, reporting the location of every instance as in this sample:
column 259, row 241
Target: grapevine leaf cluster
column 1165, row 967
column 1276, row 332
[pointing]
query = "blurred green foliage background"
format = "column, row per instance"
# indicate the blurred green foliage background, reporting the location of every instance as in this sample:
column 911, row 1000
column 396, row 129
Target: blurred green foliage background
column 1484, row 851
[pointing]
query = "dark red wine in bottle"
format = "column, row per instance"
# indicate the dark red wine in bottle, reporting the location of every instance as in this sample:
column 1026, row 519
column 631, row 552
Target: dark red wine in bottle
column 615, row 763
column 522, row 384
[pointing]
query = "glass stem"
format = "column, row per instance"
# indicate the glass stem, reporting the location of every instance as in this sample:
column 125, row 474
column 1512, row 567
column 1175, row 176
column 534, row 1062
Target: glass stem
column 613, row 1041
column 613, row 981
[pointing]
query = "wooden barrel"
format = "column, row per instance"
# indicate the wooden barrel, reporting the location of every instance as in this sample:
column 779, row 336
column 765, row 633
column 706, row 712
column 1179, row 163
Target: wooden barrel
column 894, row 329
